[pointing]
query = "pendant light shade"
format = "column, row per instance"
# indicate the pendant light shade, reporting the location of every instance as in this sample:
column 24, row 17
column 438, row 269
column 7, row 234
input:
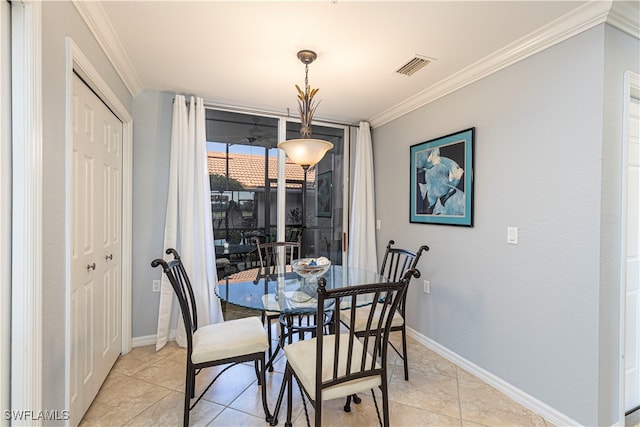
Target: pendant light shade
column 305, row 152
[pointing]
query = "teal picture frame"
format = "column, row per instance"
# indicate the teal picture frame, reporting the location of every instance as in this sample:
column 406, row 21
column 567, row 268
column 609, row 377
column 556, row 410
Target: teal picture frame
column 441, row 182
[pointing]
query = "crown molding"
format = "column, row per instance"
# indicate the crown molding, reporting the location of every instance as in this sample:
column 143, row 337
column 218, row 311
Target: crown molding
column 96, row 19
column 625, row 16
column 581, row 19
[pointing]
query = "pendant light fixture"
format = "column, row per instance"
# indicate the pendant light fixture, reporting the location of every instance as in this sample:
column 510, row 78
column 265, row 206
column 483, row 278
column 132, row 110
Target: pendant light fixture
column 306, row 151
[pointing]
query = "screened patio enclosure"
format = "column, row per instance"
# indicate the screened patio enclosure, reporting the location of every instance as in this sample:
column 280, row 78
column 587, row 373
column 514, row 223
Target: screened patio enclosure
column 244, row 175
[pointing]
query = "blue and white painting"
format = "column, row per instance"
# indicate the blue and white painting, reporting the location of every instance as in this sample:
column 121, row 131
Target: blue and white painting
column 442, row 180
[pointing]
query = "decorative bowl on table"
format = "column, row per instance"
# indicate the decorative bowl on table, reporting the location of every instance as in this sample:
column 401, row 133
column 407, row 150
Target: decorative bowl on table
column 311, row 268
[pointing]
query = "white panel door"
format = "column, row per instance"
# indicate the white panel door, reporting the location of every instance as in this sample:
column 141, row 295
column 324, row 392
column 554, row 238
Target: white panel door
column 632, row 326
column 95, row 246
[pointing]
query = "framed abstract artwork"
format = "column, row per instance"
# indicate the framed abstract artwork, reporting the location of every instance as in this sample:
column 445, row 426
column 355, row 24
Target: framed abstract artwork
column 441, row 182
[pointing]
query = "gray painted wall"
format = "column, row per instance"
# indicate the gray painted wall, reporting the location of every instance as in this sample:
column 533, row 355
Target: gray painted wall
column 152, row 135
column 59, row 20
column 541, row 315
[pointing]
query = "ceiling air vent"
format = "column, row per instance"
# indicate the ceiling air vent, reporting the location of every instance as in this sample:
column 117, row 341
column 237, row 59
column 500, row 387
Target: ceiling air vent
column 414, row 64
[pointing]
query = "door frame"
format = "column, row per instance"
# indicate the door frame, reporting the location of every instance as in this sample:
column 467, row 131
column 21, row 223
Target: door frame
column 26, row 205
column 631, row 90
column 77, row 62
column 5, row 204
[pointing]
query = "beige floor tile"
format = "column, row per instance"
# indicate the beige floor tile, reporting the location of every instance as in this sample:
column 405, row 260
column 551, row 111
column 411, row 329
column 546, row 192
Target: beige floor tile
column 128, row 364
column 120, row 399
column 466, row 423
column 169, row 412
column 466, row 376
column 232, row 418
column 148, row 353
column 229, row 385
column 485, row 405
column 250, row 400
column 142, row 357
column 407, row 416
column 166, row 372
column 426, row 360
column 426, row 391
column 633, row 419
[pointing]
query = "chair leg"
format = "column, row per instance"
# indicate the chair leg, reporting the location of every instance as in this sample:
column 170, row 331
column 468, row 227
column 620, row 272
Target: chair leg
column 385, row 402
column 404, row 354
column 347, row 406
column 193, row 384
column 289, row 381
column 276, row 410
column 258, row 372
column 318, row 413
column 187, row 394
column 269, row 338
column 262, row 381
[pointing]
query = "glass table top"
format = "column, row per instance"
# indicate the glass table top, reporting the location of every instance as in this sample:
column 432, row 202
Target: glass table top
column 287, row 292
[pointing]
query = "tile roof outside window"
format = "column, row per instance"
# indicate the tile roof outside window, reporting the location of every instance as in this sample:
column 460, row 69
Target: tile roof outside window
column 248, row 169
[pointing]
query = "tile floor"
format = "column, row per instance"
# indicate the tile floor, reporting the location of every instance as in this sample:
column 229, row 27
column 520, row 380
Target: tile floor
column 145, row 388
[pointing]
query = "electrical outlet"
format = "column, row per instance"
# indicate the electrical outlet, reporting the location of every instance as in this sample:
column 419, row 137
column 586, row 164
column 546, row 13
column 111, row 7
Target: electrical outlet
column 156, row 286
column 427, row 286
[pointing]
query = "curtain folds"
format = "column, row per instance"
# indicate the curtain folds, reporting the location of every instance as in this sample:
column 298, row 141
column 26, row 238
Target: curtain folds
column 362, row 232
column 188, row 226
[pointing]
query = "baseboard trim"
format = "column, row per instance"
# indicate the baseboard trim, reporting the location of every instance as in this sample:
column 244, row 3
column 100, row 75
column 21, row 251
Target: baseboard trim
column 150, row 339
column 526, row 400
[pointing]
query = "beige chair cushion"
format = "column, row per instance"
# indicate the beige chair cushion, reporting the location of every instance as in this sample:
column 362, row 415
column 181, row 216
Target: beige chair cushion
column 301, row 356
column 362, row 315
column 229, row 339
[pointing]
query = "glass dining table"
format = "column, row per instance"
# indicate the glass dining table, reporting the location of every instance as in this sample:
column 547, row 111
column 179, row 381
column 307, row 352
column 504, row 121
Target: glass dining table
column 289, row 294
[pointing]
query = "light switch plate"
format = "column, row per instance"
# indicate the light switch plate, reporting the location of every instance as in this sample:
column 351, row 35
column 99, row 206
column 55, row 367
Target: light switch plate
column 512, row 235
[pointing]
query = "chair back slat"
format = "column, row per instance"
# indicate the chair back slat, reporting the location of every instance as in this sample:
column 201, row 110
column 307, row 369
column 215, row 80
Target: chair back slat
column 177, row 275
column 397, row 262
column 273, row 255
column 352, row 357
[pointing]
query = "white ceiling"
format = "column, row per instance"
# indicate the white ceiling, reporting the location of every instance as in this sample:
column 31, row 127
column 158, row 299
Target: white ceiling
column 243, row 53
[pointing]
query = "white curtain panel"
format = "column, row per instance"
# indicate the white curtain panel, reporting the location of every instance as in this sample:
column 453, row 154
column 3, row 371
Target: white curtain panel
column 362, row 231
column 188, row 226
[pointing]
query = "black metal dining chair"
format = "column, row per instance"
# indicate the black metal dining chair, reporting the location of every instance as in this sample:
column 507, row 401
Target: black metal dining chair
column 395, row 263
column 231, row 342
column 273, row 256
column 341, row 363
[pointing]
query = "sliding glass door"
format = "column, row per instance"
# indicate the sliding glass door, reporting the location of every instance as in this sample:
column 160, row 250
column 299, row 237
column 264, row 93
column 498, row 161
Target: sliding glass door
column 324, row 200
column 243, row 169
column 242, row 151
